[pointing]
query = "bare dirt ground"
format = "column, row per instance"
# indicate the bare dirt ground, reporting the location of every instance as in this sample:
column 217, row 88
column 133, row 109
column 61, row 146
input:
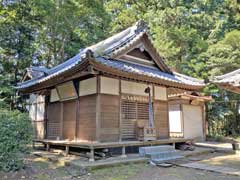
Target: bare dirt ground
column 40, row 169
column 221, row 159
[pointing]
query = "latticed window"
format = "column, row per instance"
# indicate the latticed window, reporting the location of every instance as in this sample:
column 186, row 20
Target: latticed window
column 133, row 112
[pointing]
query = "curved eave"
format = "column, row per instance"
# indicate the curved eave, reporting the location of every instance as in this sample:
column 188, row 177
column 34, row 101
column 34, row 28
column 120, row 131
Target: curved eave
column 55, row 79
column 228, row 87
column 143, row 78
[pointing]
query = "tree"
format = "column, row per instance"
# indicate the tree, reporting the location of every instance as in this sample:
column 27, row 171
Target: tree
column 183, row 30
column 18, row 26
column 45, row 32
column 68, row 26
column 224, row 56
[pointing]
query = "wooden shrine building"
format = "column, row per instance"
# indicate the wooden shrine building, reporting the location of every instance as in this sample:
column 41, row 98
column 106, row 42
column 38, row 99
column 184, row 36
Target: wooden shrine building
column 114, row 91
column 229, row 81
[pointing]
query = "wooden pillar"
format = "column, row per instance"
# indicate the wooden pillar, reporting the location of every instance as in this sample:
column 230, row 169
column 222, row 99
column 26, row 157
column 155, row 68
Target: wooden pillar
column 77, row 119
column 33, row 144
column 98, row 109
column 46, row 117
column 205, row 122
column 174, row 145
column 47, row 147
column 124, row 152
column 67, row 150
column 182, row 118
column 120, row 111
column 61, row 120
column 92, row 158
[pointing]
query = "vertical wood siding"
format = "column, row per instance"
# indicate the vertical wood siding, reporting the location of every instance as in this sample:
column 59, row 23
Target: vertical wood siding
column 69, row 119
column 109, row 118
column 86, row 129
column 161, row 118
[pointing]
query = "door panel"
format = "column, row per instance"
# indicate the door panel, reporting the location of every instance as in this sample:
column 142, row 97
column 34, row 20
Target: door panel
column 193, row 122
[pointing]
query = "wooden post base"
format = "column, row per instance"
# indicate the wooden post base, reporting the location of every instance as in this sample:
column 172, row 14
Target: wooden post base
column 67, row 151
column 92, row 158
column 123, row 152
column 47, row 147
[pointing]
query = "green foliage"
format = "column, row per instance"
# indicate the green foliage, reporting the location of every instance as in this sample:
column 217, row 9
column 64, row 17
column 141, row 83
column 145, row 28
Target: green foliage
column 45, row 32
column 223, row 114
column 224, row 56
column 18, row 26
column 186, row 33
column 15, row 135
column 67, row 26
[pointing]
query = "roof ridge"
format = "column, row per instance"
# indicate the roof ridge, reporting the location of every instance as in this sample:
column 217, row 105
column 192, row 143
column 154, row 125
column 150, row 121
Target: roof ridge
column 227, row 74
column 119, row 39
column 39, row 69
column 189, row 77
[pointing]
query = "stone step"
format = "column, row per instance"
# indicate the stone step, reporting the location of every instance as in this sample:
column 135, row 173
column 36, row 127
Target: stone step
column 163, row 154
column 143, row 151
column 159, row 154
column 160, row 160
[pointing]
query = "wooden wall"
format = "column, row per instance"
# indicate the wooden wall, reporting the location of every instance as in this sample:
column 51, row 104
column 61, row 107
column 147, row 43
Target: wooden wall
column 69, row 119
column 54, row 120
column 72, row 119
column 109, row 118
column 39, row 129
column 96, row 116
column 37, row 115
column 183, row 102
column 86, row 124
column 161, row 118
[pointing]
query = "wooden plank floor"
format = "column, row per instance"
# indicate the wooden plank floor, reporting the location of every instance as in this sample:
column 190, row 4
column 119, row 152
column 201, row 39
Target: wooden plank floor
column 100, row 145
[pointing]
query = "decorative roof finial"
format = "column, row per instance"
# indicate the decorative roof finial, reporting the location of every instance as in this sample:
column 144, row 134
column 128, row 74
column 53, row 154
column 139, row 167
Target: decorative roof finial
column 88, row 54
column 141, row 26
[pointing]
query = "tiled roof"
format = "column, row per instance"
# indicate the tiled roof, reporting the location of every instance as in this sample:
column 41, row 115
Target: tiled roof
column 103, row 52
column 150, row 72
column 122, row 66
column 232, row 78
column 55, row 71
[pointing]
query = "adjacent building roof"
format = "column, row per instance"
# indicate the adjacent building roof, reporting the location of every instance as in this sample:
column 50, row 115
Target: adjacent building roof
column 229, row 81
column 105, row 54
column 188, row 96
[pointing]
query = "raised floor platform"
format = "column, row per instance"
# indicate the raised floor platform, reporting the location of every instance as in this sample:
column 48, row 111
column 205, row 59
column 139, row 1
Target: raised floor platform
column 91, row 146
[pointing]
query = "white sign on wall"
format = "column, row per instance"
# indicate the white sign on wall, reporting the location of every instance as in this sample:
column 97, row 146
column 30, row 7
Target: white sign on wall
column 134, row 88
column 160, row 93
column 88, row 86
column 109, row 86
column 175, row 123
